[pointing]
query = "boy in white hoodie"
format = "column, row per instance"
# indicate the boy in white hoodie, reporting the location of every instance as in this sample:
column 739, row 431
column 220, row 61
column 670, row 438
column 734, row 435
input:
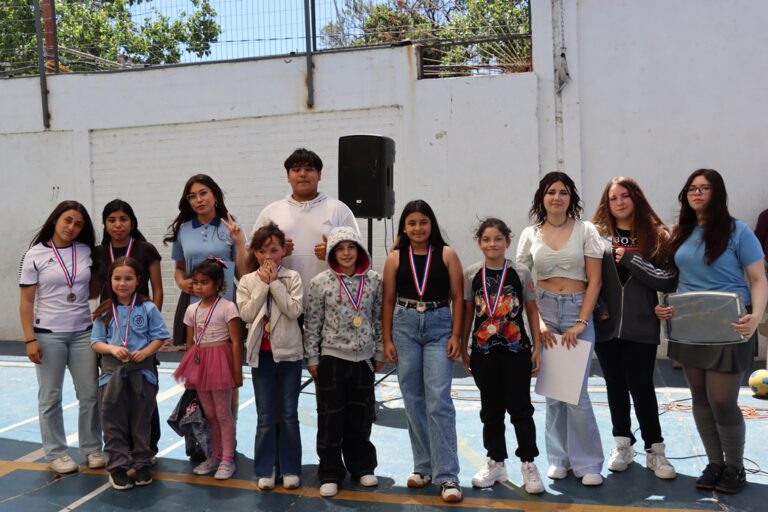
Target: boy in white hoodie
column 306, row 216
column 343, row 345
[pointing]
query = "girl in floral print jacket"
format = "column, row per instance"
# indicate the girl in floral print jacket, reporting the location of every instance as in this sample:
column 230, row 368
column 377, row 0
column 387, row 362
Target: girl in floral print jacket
column 343, row 345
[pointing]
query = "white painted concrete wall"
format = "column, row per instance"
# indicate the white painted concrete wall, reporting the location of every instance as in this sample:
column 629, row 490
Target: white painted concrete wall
column 140, row 135
column 658, row 89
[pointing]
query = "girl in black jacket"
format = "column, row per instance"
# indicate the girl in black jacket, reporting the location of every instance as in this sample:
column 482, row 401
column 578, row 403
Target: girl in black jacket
column 627, row 330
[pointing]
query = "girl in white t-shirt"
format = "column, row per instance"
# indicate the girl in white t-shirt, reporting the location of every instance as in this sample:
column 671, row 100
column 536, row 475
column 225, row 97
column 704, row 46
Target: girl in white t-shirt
column 212, row 364
column 53, row 307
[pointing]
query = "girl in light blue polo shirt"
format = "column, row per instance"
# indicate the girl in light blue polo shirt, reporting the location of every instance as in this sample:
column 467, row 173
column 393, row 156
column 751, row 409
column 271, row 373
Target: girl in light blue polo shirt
column 204, row 227
column 127, row 331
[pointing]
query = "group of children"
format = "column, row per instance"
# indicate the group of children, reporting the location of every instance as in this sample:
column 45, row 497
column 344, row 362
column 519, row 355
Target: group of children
column 341, row 340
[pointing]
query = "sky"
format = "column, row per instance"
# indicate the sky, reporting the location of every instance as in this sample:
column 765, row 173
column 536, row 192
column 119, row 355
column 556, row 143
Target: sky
column 252, row 28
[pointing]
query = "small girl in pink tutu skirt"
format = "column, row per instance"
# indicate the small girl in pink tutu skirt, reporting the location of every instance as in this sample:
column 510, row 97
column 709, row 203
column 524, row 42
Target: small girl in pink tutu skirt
column 212, row 365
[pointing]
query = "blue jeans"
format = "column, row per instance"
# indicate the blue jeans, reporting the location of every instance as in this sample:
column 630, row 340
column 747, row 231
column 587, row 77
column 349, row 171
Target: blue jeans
column 425, row 375
column 572, row 437
column 267, row 378
column 62, row 350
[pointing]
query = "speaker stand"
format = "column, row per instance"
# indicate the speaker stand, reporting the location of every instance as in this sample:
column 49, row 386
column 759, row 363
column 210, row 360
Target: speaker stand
column 370, row 239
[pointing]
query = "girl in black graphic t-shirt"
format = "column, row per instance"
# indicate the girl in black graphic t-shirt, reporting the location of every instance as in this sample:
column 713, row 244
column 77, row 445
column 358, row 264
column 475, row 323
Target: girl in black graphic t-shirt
column 503, row 356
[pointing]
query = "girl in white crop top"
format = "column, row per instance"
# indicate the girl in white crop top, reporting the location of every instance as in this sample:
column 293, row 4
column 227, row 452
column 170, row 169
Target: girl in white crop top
column 564, row 254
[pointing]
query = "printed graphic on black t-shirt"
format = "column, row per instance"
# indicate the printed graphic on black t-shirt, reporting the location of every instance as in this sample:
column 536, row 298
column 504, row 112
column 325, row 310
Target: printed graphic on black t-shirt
column 625, row 239
column 506, row 328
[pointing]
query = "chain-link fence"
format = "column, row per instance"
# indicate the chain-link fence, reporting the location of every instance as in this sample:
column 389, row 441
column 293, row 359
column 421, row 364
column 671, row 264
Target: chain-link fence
column 459, row 37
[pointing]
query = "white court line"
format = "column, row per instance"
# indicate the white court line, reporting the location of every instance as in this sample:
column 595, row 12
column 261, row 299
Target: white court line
column 33, row 419
column 86, row 498
column 100, row 490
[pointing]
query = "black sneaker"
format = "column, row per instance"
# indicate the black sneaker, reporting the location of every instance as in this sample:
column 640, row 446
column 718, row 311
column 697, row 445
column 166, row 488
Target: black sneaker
column 143, row 476
column 710, row 476
column 732, row 480
column 120, row 480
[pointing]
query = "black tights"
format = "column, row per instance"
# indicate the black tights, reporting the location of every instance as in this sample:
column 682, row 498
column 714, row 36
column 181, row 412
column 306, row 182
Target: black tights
column 719, row 391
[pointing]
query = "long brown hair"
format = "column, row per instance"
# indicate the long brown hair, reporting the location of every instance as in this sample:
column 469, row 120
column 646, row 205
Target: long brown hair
column 105, row 308
column 647, row 227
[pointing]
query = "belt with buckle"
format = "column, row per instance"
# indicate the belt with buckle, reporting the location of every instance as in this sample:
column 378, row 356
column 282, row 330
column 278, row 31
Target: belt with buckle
column 423, row 306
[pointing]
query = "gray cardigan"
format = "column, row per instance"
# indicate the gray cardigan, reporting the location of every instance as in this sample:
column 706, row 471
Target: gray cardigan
column 630, row 307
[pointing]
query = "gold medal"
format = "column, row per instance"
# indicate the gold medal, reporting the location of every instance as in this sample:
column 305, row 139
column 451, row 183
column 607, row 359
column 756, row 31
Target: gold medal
column 267, row 327
column 357, row 321
column 421, row 307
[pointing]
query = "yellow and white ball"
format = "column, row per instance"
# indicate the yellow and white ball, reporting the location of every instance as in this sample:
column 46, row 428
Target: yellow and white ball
column 758, row 381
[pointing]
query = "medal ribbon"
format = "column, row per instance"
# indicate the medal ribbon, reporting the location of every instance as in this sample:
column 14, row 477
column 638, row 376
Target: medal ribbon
column 420, row 288
column 359, row 295
column 491, row 309
column 127, row 251
column 69, row 277
column 124, row 341
column 198, row 338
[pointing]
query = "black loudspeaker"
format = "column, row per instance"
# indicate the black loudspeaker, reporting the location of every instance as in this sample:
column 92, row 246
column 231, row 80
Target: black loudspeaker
column 366, row 165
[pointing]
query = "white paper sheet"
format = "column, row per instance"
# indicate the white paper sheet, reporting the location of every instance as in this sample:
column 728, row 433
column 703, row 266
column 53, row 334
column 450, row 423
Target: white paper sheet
column 562, row 371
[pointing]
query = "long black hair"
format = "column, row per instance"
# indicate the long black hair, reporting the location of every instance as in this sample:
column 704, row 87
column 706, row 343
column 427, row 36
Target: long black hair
column 538, row 213
column 185, row 209
column 718, row 223
column 86, row 236
column 118, row 205
column 418, row 206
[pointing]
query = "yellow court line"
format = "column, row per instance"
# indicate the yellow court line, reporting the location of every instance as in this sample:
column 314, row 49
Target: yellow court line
column 532, row 505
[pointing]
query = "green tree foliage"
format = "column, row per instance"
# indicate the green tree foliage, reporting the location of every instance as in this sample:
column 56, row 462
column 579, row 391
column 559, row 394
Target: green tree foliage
column 106, row 30
column 459, row 34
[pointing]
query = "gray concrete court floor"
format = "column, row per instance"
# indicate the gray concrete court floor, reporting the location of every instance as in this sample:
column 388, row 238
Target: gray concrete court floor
column 27, row 485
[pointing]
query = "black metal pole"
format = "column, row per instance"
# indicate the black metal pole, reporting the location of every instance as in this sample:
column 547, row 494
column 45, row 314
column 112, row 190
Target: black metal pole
column 41, row 64
column 370, row 239
column 308, row 45
column 314, row 26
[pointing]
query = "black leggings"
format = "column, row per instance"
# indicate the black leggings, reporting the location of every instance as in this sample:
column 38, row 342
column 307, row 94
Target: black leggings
column 628, row 370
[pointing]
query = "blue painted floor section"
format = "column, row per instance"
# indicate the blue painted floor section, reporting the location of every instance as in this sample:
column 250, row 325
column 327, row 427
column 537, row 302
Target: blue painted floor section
column 27, row 485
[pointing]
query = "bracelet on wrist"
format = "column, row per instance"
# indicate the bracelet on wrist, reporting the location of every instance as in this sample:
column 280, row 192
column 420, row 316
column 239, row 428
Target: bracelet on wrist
column 30, row 341
column 582, row 321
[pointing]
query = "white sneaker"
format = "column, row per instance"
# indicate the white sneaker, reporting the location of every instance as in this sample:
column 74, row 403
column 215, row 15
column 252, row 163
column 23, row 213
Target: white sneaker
column 63, row 465
column 622, row 455
column 489, row 474
column 96, row 460
column 291, row 482
column 450, row 492
column 417, row 480
column 329, row 490
column 656, row 461
column 592, row 479
column 225, row 470
column 369, row 480
column 267, row 483
column 209, row 465
column 531, row 478
column 557, row 472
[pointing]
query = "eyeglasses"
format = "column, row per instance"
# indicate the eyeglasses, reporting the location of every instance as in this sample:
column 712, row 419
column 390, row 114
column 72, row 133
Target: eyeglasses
column 700, row 189
column 202, row 195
